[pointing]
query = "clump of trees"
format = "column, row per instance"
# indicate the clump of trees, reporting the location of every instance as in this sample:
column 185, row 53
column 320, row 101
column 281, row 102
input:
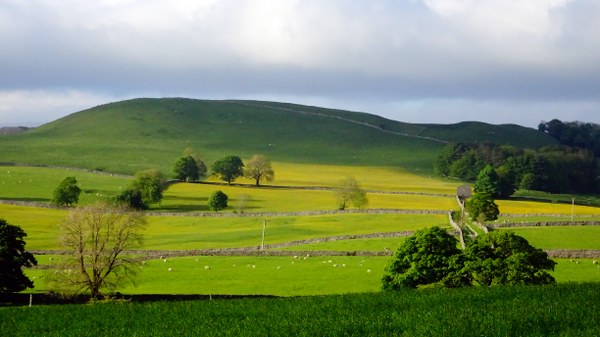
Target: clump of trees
column 67, row 192
column 146, row 189
column 430, row 256
column 574, row 134
column 481, row 206
column 348, row 192
column 96, row 238
column 190, row 167
column 551, row 169
column 13, row 257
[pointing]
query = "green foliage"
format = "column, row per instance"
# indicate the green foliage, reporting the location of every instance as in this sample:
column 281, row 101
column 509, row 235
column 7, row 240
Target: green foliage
column 259, row 168
column 13, row 257
column 488, row 182
column 218, row 201
column 429, row 256
column 186, row 169
column 348, row 192
column 67, row 192
column 481, row 207
column 228, row 168
column 504, row 258
column 576, row 134
column 146, row 189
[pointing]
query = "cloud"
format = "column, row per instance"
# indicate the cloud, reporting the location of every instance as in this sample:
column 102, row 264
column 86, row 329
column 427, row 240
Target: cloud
column 380, row 53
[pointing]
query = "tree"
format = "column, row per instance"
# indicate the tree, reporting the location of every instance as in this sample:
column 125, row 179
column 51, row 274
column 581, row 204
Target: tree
column 202, row 169
column 13, row 257
column 504, row 258
column 348, row 192
column 488, row 182
column 218, row 201
column 482, row 207
column 96, row 238
column 67, row 192
column 186, row 169
column 429, row 256
column 259, row 168
column 228, row 168
column 146, row 189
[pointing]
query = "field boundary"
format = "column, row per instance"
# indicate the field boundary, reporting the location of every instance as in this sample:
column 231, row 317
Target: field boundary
column 543, row 224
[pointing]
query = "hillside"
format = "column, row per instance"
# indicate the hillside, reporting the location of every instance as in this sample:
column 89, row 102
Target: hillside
column 140, row 133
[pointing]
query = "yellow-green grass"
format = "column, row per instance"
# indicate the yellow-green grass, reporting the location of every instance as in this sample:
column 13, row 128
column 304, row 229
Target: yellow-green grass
column 559, row 218
column 578, row 270
column 531, row 207
column 250, row 275
column 369, row 244
column 40, row 224
column 38, row 183
column 203, row 232
column 373, row 178
column 194, row 197
column 283, row 276
column 567, row 237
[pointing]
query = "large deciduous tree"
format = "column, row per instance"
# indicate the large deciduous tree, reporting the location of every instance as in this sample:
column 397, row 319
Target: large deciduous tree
column 488, row 182
column 481, row 207
column 13, row 257
column 146, row 189
column 67, row 192
column 228, row 168
column 186, row 169
column 348, row 192
column 259, row 168
column 96, row 239
column 218, row 201
column 429, row 256
column 504, row 258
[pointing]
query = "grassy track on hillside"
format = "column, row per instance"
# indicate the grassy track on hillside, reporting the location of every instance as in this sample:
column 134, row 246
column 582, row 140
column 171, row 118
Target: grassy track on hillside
column 565, row 310
column 531, row 207
column 568, row 237
column 193, row 197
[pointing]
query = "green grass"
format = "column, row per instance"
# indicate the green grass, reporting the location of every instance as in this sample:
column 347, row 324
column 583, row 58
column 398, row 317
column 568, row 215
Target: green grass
column 38, row 183
column 565, row 310
column 577, row 270
column 561, row 218
column 369, row 244
column 584, row 200
column 532, row 207
column 569, row 237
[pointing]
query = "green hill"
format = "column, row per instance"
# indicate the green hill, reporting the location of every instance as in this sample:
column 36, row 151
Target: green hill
column 141, row 133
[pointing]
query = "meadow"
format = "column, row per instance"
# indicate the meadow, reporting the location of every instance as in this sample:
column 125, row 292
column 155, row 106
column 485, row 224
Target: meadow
column 561, row 310
column 556, row 237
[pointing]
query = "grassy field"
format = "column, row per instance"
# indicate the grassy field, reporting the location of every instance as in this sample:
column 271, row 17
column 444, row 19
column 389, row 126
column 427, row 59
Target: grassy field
column 531, row 207
column 193, row 197
column 569, row 237
column 497, row 311
column 584, row 200
column 563, row 217
column 369, row 244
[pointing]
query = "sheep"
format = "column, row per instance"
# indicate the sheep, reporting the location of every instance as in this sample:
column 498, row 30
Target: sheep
column 165, row 260
column 368, row 270
column 170, row 269
column 206, row 267
column 253, row 266
column 594, row 262
column 278, row 267
column 335, row 265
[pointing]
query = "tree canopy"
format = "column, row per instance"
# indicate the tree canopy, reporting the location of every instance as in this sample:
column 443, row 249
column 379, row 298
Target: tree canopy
column 67, row 192
column 481, row 207
column 218, row 201
column 348, row 192
column 146, row 189
column 259, row 168
column 13, row 257
column 228, row 168
column 186, row 169
column 488, row 182
column 96, row 238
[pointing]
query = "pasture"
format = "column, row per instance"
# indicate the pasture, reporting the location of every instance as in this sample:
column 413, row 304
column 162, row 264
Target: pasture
column 541, row 208
column 556, row 237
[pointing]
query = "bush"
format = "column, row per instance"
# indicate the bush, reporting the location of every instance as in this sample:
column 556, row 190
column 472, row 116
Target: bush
column 218, row 201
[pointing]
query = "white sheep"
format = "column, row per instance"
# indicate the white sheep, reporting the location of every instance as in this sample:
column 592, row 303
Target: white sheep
column 165, row 260
column 170, row 269
column 368, row 270
column 206, row 267
column 594, row 262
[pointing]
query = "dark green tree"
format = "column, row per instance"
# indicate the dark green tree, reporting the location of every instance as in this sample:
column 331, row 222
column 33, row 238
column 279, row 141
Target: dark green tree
column 488, row 182
column 481, row 207
column 218, row 201
column 228, row 168
column 67, row 192
column 13, row 257
column 504, row 258
column 146, row 189
column 186, row 169
column 429, row 256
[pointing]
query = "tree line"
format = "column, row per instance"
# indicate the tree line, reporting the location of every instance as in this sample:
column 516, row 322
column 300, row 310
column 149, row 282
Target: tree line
column 558, row 169
column 574, row 134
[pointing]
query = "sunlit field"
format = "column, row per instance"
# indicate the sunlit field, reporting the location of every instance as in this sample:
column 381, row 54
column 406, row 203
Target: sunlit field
column 568, row 237
column 530, row 207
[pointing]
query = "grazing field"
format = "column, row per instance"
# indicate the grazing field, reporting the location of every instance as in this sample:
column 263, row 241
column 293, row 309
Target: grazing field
column 531, row 207
column 557, row 218
column 40, row 224
column 369, row 244
column 184, row 197
column 585, row 200
column 556, row 237
column 38, row 183
column 562, row 310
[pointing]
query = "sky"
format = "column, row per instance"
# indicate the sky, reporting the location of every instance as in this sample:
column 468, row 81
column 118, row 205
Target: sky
column 420, row 61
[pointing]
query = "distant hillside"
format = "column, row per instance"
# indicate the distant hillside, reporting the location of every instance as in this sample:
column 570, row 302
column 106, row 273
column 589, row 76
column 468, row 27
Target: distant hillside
column 140, row 133
column 8, row 130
